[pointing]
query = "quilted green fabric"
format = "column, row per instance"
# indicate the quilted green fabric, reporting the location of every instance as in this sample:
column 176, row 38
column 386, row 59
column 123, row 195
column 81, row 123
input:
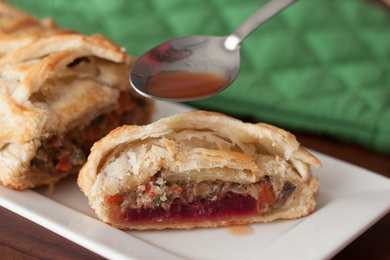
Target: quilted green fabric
column 321, row 66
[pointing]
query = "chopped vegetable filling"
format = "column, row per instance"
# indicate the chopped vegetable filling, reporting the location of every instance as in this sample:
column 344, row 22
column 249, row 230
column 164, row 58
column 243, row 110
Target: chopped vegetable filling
column 66, row 154
column 158, row 199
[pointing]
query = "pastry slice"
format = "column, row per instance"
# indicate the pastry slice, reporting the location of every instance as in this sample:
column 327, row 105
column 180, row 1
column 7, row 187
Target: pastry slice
column 198, row 169
column 59, row 93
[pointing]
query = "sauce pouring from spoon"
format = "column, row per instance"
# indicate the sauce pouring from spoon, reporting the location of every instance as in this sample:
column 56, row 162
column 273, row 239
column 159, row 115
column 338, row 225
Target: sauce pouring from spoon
column 196, row 67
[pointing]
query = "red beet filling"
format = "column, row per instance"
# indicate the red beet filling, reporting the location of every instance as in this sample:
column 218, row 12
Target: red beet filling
column 230, row 205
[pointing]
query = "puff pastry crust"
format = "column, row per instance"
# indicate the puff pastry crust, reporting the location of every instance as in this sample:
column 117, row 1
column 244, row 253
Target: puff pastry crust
column 53, row 81
column 198, row 169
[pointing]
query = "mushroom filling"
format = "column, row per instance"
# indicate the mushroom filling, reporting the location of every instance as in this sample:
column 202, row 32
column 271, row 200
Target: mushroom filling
column 67, row 153
column 159, row 200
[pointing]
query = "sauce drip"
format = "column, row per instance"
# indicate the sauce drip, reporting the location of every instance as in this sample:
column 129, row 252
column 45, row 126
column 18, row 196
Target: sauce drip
column 243, row 230
column 177, row 84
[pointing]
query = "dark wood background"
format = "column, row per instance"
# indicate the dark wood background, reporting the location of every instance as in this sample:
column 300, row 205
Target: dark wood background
column 22, row 239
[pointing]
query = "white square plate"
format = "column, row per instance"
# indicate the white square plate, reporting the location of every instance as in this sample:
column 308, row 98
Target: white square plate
column 351, row 199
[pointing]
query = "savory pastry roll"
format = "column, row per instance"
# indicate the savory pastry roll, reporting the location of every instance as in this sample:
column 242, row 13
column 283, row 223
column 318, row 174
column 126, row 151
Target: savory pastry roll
column 59, row 93
column 198, row 169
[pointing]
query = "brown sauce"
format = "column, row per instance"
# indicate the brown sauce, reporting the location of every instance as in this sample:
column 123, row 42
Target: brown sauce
column 176, row 84
column 242, row 230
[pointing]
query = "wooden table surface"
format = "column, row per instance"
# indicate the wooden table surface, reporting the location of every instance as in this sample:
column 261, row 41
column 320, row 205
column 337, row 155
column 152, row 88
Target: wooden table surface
column 22, row 239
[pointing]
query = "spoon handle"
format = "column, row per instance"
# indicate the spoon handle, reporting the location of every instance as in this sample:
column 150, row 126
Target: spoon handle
column 261, row 16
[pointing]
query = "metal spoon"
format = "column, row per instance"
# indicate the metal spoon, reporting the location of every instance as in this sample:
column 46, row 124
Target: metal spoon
column 196, row 67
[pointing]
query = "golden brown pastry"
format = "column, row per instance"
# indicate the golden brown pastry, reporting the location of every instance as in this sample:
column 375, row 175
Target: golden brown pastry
column 198, row 169
column 59, row 93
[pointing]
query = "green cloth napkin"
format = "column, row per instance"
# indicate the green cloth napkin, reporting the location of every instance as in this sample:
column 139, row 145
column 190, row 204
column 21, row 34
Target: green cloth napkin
column 321, row 66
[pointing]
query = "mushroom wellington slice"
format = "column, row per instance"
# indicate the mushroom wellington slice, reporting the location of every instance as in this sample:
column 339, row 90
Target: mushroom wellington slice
column 198, row 169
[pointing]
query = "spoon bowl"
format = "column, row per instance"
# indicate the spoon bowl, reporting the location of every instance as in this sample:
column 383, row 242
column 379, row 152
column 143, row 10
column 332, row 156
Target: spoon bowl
column 202, row 59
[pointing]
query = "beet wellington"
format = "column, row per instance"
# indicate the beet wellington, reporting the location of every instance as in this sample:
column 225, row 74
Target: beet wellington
column 198, row 169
